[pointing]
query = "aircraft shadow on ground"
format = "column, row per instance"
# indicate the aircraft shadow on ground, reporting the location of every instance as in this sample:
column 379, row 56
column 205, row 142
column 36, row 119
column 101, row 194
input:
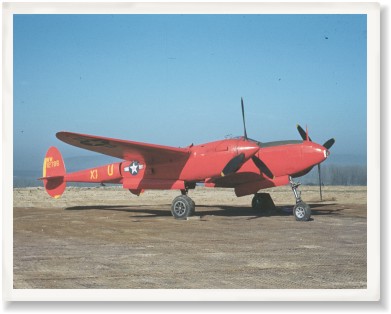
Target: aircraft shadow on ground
column 215, row 210
column 147, row 209
column 316, row 209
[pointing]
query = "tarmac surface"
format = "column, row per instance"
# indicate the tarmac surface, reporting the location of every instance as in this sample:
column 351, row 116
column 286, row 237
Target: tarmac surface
column 107, row 238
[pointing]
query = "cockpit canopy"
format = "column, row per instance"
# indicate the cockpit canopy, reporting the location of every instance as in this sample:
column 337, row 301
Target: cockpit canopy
column 270, row 144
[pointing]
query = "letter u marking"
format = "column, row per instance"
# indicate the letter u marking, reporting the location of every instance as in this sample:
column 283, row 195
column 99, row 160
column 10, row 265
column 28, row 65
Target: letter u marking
column 110, row 170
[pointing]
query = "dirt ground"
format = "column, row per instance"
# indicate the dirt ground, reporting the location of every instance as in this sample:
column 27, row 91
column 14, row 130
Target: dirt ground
column 105, row 237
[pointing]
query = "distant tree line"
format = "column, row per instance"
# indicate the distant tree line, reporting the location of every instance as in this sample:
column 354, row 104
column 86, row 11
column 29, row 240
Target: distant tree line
column 338, row 175
column 347, row 175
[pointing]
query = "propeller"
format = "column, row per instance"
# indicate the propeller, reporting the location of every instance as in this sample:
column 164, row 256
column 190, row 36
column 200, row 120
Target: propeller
column 326, row 145
column 258, row 162
column 236, row 162
column 329, row 143
column 233, row 165
column 262, row 167
column 303, row 135
column 244, row 122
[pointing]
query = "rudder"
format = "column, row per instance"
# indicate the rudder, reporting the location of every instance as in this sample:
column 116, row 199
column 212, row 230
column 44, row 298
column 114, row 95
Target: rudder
column 53, row 175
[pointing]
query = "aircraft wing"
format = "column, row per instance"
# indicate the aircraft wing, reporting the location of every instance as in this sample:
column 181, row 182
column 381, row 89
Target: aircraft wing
column 127, row 150
column 235, row 179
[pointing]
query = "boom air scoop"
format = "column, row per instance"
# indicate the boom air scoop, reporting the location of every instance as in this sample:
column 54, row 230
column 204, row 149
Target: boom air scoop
column 53, row 173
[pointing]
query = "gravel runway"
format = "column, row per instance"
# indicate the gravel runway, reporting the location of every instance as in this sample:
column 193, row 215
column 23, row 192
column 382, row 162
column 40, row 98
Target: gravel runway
column 104, row 237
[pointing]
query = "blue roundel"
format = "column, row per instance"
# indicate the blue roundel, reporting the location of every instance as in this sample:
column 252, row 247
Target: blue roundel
column 134, row 168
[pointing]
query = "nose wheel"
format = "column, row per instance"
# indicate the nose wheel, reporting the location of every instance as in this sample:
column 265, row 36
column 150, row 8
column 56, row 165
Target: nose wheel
column 301, row 210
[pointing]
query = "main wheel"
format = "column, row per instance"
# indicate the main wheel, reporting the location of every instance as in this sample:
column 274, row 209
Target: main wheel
column 192, row 213
column 263, row 203
column 302, row 211
column 182, row 207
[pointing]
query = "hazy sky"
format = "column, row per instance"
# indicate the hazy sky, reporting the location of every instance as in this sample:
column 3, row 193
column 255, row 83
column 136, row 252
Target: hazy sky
column 178, row 79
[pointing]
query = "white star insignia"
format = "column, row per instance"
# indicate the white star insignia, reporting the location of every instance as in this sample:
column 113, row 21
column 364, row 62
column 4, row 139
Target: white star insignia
column 134, row 168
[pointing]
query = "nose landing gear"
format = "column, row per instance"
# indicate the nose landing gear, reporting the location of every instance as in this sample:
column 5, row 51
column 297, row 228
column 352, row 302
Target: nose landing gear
column 301, row 210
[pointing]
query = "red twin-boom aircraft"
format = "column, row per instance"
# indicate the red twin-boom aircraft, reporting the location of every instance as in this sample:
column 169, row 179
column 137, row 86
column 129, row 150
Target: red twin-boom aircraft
column 240, row 163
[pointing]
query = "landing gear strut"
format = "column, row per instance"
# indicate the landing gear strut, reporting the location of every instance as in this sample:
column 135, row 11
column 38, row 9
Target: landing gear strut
column 301, row 210
column 182, row 206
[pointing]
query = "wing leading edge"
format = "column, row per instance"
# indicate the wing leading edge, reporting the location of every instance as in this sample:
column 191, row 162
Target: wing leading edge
column 122, row 149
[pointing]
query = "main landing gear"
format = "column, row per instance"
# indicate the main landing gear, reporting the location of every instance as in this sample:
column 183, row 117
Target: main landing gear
column 182, row 206
column 263, row 203
column 301, row 210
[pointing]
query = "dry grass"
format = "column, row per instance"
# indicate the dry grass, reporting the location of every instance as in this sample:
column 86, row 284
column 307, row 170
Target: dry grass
column 37, row 197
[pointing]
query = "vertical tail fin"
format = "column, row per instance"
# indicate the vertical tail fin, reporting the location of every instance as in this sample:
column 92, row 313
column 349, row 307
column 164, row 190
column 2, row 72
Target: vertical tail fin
column 53, row 176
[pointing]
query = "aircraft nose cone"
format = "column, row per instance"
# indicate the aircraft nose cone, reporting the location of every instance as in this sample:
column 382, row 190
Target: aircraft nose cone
column 314, row 153
column 322, row 153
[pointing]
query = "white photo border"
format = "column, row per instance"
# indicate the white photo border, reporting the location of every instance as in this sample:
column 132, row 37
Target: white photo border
column 372, row 293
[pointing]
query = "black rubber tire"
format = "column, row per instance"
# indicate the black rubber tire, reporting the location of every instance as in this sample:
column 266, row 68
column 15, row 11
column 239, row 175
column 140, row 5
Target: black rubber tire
column 302, row 211
column 263, row 203
column 192, row 205
column 192, row 213
column 182, row 207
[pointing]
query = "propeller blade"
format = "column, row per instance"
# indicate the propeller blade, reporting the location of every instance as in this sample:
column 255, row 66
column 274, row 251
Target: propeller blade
column 320, row 182
column 262, row 167
column 303, row 133
column 244, row 122
column 233, row 165
column 329, row 143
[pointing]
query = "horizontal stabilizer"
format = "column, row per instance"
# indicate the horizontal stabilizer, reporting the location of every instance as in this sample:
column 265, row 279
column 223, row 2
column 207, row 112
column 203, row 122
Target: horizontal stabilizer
column 51, row 178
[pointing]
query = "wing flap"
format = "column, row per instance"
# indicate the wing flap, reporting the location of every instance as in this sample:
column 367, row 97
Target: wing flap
column 126, row 150
column 234, row 179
